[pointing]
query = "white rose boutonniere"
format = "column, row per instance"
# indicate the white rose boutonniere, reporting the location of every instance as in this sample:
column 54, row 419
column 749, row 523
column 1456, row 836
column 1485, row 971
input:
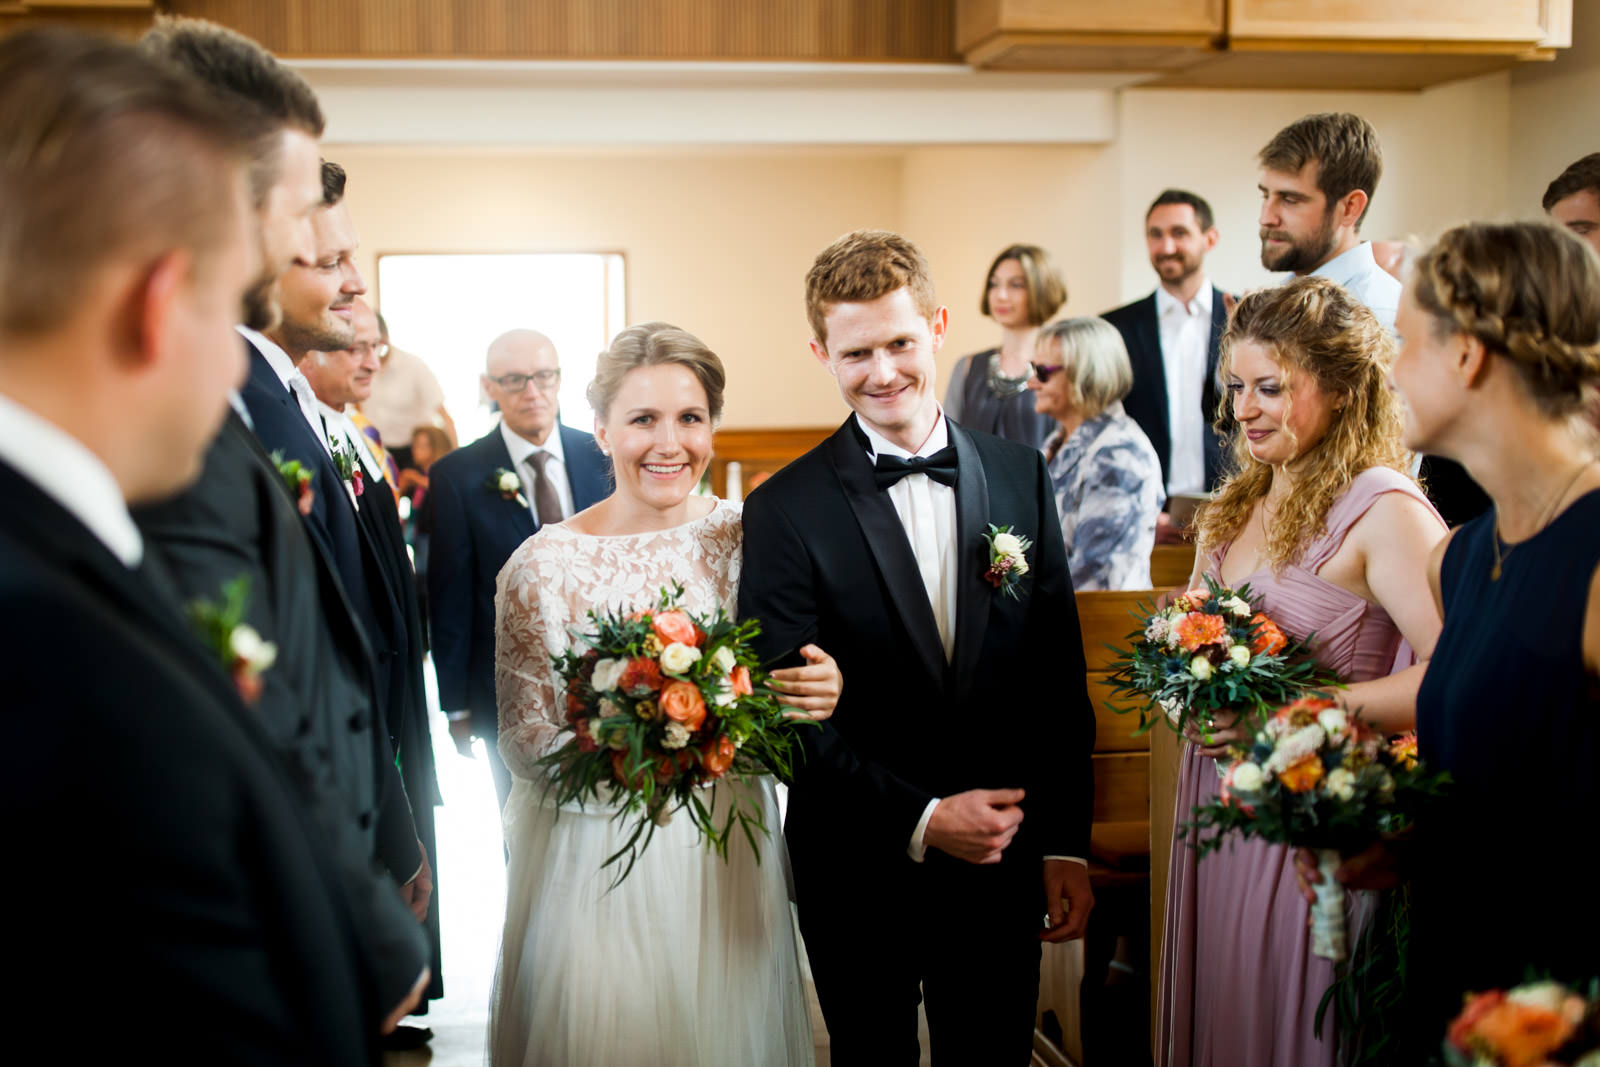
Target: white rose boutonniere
column 1007, row 557
column 508, row 485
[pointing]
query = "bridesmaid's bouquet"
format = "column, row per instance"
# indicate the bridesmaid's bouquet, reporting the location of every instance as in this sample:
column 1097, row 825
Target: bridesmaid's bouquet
column 660, row 704
column 1209, row 651
column 1541, row 1023
column 1316, row 776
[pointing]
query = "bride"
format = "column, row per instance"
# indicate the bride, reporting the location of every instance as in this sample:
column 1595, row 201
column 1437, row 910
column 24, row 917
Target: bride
column 692, row 960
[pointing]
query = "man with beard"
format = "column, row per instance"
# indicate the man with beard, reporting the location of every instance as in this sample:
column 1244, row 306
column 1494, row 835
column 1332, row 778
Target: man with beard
column 1173, row 339
column 241, row 523
column 1318, row 176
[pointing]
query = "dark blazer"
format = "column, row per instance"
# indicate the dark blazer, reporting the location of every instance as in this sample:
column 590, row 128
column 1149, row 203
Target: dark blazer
column 1146, row 403
column 475, row 530
column 158, row 830
column 318, row 702
column 827, row 561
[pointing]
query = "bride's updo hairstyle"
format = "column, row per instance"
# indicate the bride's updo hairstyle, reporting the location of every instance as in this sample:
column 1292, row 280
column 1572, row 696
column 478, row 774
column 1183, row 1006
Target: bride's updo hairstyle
column 1312, row 327
column 650, row 344
column 1531, row 294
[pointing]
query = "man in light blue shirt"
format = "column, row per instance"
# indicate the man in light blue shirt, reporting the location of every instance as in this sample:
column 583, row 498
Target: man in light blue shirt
column 1318, row 175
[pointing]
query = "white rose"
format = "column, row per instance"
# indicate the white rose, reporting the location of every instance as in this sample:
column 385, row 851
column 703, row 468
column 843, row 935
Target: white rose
column 722, row 659
column 678, row 657
column 246, row 644
column 1246, row 777
column 1239, row 655
column 725, row 694
column 1200, row 667
column 1333, row 720
column 607, row 673
column 676, row 735
column 1237, row 605
column 1007, row 544
column 1547, row 995
column 1020, row 567
column 1341, row 783
column 509, row 482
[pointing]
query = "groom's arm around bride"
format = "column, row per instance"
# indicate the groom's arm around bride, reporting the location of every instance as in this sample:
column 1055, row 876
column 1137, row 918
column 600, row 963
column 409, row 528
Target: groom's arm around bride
column 957, row 760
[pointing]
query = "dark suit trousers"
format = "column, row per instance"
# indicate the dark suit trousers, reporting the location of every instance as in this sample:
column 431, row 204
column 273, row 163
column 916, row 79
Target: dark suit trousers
column 952, row 928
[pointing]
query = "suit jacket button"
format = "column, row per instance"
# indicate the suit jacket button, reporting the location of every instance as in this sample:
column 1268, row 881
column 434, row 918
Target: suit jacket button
column 356, row 721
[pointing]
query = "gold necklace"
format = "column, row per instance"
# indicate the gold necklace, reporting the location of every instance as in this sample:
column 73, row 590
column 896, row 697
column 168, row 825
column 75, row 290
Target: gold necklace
column 1550, row 513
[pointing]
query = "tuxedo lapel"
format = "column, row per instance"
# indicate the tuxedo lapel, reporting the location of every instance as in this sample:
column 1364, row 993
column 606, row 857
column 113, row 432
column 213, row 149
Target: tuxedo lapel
column 973, row 592
column 1149, row 327
column 886, row 537
column 516, row 519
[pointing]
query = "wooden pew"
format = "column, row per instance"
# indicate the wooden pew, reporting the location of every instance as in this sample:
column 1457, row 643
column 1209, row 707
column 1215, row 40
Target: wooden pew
column 1171, row 565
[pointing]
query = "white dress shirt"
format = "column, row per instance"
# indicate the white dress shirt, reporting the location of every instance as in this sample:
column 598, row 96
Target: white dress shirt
column 1185, row 330
column 1369, row 283
column 555, row 468
column 291, row 378
column 71, row 475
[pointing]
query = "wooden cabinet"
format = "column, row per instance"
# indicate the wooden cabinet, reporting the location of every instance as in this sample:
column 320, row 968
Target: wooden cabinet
column 1092, row 35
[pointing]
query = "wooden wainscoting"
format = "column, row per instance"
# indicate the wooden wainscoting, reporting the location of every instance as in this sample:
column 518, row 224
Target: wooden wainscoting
column 759, row 453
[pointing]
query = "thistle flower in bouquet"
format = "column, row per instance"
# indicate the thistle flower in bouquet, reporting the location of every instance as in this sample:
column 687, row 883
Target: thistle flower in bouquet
column 1210, row 651
column 1316, row 776
column 661, row 705
column 1534, row 1024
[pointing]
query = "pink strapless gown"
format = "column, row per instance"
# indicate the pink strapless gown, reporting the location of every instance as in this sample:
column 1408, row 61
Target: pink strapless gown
column 1239, row 985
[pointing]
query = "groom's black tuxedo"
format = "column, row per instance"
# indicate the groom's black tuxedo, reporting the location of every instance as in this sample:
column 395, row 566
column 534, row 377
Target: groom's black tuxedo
column 826, row 560
column 162, row 865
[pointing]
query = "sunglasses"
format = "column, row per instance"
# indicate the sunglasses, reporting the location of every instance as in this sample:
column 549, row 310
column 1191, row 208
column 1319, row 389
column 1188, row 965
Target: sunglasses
column 1042, row 371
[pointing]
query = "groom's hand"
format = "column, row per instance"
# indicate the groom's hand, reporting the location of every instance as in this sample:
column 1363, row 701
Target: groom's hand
column 1068, row 900
column 975, row 826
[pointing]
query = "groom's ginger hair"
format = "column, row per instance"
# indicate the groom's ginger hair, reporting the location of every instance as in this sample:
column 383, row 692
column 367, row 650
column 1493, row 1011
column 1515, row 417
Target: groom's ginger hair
column 106, row 156
column 862, row 266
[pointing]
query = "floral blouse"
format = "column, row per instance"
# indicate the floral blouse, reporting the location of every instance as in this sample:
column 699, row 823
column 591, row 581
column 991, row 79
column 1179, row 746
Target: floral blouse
column 1107, row 480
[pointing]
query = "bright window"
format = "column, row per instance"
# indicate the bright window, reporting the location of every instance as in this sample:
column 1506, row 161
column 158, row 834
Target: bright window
column 447, row 308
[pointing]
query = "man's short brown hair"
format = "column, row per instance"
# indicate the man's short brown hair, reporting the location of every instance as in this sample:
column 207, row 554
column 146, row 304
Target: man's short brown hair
column 1584, row 175
column 862, row 266
column 265, row 96
column 1345, row 148
column 105, row 155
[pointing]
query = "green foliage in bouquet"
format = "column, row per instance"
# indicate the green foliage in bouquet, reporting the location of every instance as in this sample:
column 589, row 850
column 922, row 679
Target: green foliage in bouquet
column 1210, row 651
column 663, row 706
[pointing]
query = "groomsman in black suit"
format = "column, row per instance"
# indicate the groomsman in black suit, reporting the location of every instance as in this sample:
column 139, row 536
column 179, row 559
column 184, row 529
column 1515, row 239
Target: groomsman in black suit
column 1173, row 338
column 167, row 867
column 240, row 520
column 480, row 517
column 938, row 821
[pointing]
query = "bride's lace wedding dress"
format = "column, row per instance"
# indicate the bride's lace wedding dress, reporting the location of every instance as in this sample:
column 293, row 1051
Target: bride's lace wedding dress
column 691, row 961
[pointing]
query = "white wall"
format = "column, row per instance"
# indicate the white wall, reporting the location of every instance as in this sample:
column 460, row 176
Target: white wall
column 1555, row 113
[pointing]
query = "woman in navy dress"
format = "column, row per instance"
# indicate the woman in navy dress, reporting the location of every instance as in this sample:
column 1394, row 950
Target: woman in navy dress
column 1498, row 370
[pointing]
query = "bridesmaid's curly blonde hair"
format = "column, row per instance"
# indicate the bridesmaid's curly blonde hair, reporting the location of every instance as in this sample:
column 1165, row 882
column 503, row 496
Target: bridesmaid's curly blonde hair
column 1313, row 326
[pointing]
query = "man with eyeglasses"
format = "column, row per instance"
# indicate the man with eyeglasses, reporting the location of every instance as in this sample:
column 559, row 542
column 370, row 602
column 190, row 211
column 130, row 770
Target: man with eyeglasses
column 405, row 395
column 488, row 498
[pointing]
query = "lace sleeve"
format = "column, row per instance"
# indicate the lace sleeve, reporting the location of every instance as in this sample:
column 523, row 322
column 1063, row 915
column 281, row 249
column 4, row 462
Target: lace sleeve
column 531, row 718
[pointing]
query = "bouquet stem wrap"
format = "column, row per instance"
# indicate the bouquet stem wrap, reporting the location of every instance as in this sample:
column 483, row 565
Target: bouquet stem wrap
column 1329, row 936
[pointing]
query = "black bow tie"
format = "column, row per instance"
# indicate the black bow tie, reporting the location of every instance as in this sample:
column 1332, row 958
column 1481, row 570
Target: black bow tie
column 941, row 467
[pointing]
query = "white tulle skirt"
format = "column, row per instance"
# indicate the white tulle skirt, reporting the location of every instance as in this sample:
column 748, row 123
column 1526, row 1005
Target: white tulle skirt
column 690, row 962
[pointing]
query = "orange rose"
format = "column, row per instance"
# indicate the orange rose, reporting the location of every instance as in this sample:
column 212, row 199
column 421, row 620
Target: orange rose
column 1404, row 749
column 1302, row 774
column 640, row 673
column 1196, row 629
column 682, row 702
column 674, row 626
column 1302, row 712
column 739, row 679
column 717, row 757
column 1522, row 1034
column 1268, row 640
column 1462, row 1029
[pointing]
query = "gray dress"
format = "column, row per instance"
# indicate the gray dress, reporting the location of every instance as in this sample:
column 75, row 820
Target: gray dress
column 972, row 400
column 1107, row 481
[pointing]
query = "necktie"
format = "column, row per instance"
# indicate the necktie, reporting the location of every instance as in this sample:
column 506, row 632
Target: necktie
column 545, row 499
column 941, row 467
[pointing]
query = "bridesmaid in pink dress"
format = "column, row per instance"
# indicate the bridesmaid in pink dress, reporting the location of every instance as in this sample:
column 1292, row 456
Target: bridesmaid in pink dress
column 1333, row 538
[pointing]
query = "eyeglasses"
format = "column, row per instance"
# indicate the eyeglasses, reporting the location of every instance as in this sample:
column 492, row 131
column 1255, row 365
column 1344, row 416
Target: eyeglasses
column 1042, row 371
column 381, row 349
column 516, row 383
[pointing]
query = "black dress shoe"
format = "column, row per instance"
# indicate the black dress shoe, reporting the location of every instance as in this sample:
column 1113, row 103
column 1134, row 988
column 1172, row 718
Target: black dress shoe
column 406, row 1038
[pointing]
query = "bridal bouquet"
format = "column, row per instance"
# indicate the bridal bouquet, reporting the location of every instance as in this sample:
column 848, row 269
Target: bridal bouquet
column 660, row 704
column 1207, row 652
column 1536, row 1024
column 1316, row 776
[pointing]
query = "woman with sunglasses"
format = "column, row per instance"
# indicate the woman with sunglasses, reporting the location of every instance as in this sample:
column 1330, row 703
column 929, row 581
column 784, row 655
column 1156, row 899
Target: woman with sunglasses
column 1106, row 474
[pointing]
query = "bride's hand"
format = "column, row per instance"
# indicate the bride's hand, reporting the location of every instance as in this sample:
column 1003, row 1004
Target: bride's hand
column 813, row 689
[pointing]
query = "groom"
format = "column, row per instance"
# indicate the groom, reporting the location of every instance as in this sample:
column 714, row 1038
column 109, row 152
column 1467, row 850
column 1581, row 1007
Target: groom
column 941, row 814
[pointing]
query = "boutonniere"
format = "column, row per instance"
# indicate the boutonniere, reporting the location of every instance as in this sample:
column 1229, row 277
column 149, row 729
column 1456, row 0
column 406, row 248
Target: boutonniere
column 1008, row 560
column 349, row 468
column 508, row 485
column 298, row 479
column 241, row 650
